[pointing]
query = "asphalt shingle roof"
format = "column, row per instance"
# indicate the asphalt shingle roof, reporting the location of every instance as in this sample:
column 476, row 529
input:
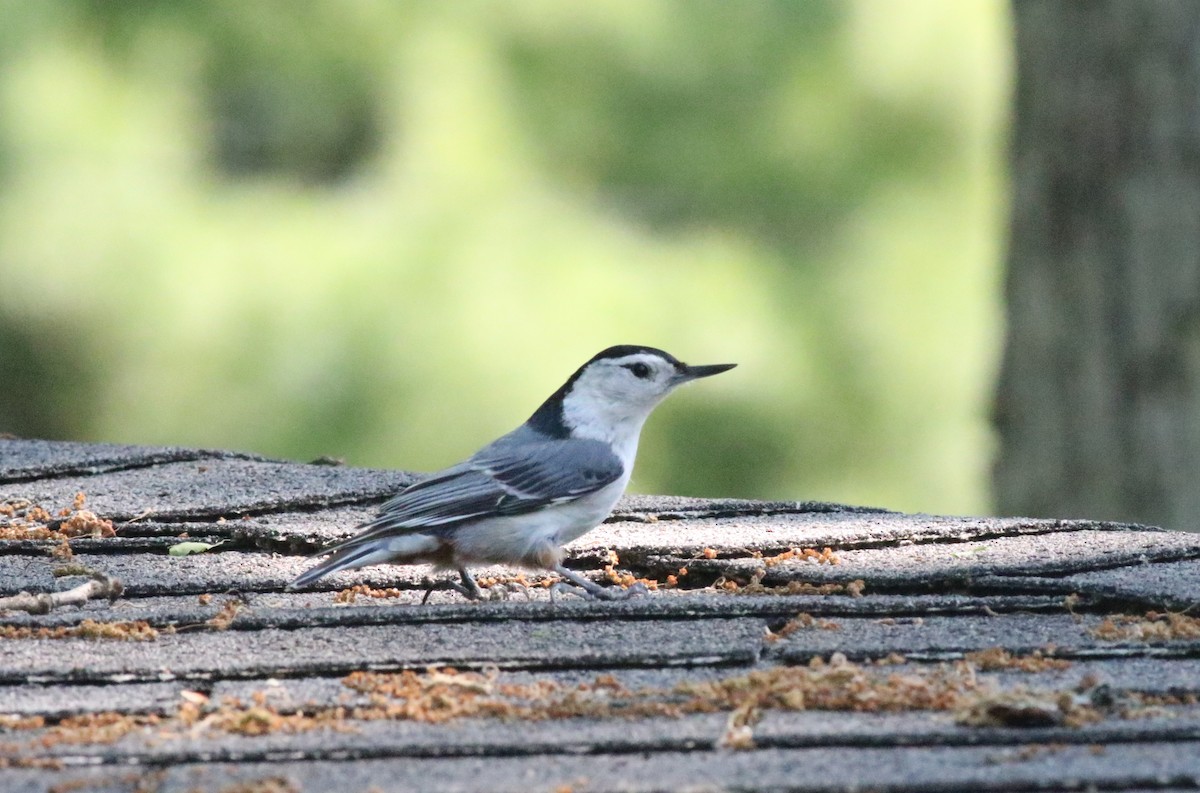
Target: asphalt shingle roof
column 918, row 652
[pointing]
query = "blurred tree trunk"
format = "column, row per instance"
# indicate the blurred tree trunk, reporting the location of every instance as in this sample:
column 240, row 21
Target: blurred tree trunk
column 1098, row 408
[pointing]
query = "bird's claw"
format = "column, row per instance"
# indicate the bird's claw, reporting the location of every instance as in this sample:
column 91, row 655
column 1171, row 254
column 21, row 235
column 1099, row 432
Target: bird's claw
column 517, row 586
column 564, row 587
column 616, row 593
column 599, row 593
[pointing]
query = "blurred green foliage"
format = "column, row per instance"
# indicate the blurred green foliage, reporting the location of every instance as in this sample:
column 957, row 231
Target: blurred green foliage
column 386, row 231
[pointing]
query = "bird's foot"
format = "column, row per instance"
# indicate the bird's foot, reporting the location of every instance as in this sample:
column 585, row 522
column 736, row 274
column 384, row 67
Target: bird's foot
column 467, row 592
column 621, row 593
column 563, row 588
column 591, row 590
column 468, row 588
column 600, row 593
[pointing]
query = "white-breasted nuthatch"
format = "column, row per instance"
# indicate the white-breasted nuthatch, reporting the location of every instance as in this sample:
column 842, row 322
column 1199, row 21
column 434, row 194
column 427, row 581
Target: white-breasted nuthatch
column 519, row 499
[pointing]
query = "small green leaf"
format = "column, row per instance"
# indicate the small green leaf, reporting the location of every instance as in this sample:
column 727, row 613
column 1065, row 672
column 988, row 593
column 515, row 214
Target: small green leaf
column 71, row 569
column 189, row 548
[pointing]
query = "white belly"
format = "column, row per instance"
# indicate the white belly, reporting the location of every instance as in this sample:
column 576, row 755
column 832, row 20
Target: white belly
column 534, row 539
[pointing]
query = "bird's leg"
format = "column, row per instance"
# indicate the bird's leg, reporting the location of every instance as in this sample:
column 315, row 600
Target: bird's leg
column 430, row 586
column 468, row 588
column 592, row 590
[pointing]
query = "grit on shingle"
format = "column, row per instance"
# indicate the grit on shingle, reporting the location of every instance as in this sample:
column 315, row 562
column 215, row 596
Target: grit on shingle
column 916, row 652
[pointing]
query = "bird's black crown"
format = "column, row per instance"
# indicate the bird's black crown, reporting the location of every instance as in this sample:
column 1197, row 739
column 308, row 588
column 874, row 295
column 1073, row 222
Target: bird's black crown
column 621, row 350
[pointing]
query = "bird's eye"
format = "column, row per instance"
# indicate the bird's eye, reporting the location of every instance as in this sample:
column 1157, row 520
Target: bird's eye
column 640, row 370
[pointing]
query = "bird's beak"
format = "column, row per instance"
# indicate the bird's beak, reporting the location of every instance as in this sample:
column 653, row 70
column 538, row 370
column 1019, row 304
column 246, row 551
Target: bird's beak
column 696, row 372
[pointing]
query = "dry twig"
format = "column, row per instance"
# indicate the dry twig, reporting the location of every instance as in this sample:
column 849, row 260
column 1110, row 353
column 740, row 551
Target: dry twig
column 99, row 586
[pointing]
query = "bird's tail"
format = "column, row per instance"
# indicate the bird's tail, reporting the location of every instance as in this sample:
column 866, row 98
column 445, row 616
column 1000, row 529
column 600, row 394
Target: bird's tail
column 347, row 558
column 361, row 551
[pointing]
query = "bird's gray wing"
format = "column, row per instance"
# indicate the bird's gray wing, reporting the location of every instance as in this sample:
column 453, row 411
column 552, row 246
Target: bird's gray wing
column 505, row 478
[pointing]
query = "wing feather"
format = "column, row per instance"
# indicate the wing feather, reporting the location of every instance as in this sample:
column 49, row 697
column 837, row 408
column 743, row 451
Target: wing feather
column 506, row 478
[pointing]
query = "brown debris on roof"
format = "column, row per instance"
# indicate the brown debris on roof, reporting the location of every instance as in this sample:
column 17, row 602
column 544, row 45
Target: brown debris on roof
column 21, row 519
column 997, row 658
column 1154, row 626
column 128, row 631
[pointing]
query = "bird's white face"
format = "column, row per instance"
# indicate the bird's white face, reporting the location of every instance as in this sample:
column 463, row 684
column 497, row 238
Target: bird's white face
column 610, row 397
column 632, row 384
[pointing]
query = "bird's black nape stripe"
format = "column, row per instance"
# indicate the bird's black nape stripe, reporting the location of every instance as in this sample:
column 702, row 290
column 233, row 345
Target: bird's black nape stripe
column 548, row 419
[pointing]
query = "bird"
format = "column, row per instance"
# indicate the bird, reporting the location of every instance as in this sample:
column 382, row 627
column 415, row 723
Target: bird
column 524, row 496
